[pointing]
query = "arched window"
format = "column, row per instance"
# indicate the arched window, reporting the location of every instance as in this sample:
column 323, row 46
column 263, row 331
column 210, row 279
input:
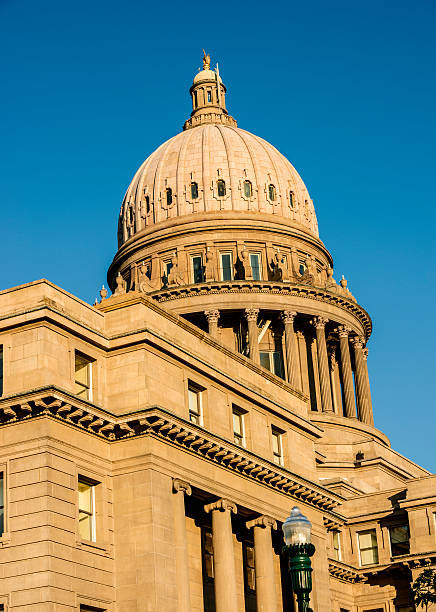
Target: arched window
column 195, row 99
column 248, row 189
column 147, row 204
column 169, row 195
column 271, row 192
column 130, row 215
column 209, row 96
column 221, row 188
column 291, row 199
column 194, row 191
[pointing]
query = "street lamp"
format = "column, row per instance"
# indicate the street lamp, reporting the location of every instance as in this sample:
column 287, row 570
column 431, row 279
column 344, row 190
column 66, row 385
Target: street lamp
column 296, row 530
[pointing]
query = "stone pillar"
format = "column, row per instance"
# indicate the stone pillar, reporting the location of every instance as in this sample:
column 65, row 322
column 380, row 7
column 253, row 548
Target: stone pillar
column 363, row 401
column 180, row 489
column 368, row 388
column 223, row 555
column 323, row 364
column 253, row 334
column 212, row 317
column 266, row 597
column 347, row 374
column 292, row 360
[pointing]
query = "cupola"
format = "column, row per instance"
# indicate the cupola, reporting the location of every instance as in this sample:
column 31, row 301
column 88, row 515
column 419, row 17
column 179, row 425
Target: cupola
column 208, row 94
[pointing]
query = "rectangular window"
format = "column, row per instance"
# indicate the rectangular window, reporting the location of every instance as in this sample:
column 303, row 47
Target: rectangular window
column 368, row 547
column 195, row 404
column 83, row 376
column 197, row 269
column 277, row 446
column 400, row 542
column 1, row 369
column 226, row 266
column 255, row 266
column 272, row 361
column 86, row 509
column 238, row 426
column 2, row 503
column 336, row 545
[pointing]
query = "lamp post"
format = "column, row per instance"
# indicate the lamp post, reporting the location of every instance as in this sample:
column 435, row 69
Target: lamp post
column 296, row 530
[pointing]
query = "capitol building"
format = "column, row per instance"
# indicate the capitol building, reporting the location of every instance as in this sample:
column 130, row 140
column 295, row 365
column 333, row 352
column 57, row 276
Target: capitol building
column 153, row 444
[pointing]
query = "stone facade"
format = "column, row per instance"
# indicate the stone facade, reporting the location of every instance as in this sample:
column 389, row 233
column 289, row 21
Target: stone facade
column 153, row 444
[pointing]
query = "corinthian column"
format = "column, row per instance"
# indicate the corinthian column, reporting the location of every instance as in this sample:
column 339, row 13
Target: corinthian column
column 368, row 388
column 323, row 364
column 212, row 317
column 362, row 387
column 266, row 598
column 181, row 489
column 253, row 343
column 223, row 555
column 292, row 360
column 347, row 374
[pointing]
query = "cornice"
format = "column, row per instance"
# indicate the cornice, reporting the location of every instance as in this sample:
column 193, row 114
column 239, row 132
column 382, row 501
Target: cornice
column 156, row 422
column 345, row 572
column 285, row 289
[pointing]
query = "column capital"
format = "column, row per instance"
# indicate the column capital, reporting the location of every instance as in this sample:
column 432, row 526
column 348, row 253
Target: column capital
column 343, row 331
column 288, row 316
column 251, row 314
column 262, row 521
column 222, row 505
column 357, row 342
column 181, row 486
column 212, row 315
column 319, row 322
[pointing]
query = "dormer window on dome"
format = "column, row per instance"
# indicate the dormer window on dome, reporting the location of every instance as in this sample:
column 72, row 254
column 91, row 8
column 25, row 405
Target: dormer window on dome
column 194, row 191
column 221, row 187
column 169, row 193
column 248, row 189
column 271, row 193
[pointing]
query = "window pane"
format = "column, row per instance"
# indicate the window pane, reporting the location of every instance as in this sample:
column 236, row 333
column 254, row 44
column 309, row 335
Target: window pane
column 247, row 189
column 221, row 188
column 226, row 266
column 255, row 265
column 197, row 266
column 194, row 191
column 194, row 401
column 2, row 521
column 399, row 540
column 272, row 192
column 85, row 526
column 278, row 364
column 368, row 556
column 237, row 423
column 264, row 360
column 82, row 370
column 276, row 443
column 85, row 497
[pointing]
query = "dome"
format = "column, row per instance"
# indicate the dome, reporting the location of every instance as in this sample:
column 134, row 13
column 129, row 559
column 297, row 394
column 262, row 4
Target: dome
column 205, row 75
column 215, row 167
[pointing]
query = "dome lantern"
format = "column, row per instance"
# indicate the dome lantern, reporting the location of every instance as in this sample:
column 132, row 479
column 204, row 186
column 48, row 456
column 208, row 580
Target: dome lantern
column 208, row 94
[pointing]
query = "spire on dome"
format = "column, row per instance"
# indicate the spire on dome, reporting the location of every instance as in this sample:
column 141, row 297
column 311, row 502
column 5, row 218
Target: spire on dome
column 208, row 94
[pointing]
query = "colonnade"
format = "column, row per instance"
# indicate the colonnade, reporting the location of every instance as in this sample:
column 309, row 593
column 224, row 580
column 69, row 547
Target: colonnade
column 352, row 392
column 224, row 569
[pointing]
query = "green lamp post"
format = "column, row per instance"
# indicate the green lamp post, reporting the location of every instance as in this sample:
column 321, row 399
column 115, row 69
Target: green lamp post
column 296, row 530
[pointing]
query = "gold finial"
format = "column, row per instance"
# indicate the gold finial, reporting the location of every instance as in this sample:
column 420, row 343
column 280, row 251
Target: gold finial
column 206, row 60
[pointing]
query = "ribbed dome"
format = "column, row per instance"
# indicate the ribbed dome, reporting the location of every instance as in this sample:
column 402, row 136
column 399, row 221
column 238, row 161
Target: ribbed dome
column 188, row 174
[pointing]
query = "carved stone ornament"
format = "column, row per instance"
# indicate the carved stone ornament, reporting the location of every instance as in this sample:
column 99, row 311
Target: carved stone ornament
column 212, row 315
column 121, row 287
column 319, row 322
column 357, row 342
column 262, row 521
column 209, row 267
column 222, row 505
column 181, row 486
column 288, row 316
column 251, row 314
column 365, row 353
column 343, row 331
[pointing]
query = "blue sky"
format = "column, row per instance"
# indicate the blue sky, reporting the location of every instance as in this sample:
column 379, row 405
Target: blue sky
column 346, row 90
